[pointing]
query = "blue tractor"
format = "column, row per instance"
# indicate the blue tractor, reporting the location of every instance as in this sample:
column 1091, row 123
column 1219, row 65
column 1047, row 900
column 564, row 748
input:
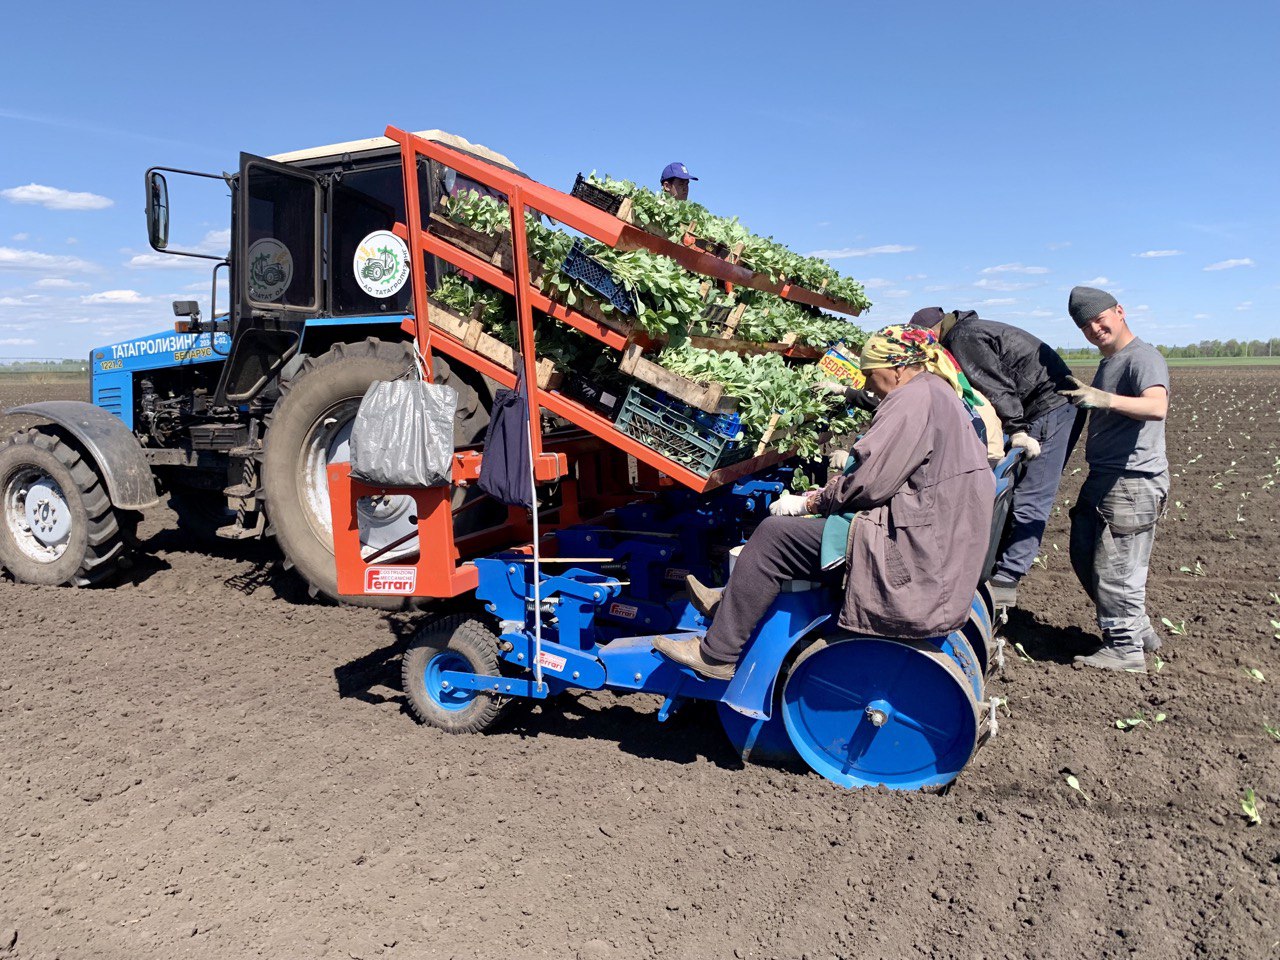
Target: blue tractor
column 234, row 418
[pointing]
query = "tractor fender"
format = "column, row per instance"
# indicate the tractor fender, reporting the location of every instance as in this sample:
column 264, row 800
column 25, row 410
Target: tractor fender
column 110, row 444
column 792, row 618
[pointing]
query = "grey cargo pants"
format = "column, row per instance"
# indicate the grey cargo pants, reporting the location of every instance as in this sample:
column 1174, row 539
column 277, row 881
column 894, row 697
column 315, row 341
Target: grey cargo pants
column 1113, row 526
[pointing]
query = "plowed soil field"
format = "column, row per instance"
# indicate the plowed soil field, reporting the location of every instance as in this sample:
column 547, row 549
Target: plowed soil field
column 202, row 763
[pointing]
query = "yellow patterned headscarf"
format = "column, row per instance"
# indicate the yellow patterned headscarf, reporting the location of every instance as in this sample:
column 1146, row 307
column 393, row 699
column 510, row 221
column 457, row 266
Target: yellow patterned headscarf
column 904, row 346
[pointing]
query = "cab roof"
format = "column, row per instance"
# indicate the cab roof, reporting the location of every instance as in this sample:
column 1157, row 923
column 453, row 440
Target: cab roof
column 381, row 143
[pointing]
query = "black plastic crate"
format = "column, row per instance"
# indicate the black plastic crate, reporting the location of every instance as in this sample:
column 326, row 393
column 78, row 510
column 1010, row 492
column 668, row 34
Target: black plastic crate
column 601, row 396
column 600, row 198
column 596, row 277
column 672, row 429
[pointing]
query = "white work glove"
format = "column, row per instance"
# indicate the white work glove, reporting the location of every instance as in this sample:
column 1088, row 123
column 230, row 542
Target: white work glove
column 834, row 387
column 1086, row 398
column 789, row 505
column 1029, row 444
column 837, row 460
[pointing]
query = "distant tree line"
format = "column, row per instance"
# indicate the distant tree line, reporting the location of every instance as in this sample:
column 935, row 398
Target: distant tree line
column 34, row 365
column 1205, row 348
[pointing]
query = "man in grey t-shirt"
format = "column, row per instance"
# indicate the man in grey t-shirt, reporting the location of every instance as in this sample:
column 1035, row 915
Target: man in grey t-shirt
column 1113, row 522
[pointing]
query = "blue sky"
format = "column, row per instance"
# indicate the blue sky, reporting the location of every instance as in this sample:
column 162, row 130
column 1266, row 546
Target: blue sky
column 981, row 155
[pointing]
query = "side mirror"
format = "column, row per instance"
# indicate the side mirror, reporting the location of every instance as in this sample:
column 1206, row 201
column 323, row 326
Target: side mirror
column 186, row 308
column 157, row 210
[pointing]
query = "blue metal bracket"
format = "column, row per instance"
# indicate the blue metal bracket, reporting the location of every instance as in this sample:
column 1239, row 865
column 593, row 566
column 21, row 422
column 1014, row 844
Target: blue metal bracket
column 505, row 686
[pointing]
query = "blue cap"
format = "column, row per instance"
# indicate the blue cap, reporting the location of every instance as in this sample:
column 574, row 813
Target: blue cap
column 676, row 171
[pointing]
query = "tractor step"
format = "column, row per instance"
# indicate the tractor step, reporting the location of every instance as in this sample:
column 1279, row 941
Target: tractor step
column 241, row 490
column 234, row 531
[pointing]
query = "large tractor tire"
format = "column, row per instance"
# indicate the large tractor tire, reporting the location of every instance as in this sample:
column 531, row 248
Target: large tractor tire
column 310, row 427
column 57, row 525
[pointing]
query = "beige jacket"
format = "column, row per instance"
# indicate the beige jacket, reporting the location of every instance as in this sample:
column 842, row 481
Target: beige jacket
column 925, row 494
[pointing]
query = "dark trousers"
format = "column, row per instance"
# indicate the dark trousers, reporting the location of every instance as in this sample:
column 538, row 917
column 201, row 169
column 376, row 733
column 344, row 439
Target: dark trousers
column 781, row 549
column 1033, row 496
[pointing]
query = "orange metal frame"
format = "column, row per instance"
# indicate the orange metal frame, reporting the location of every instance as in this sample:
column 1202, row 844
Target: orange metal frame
column 439, row 570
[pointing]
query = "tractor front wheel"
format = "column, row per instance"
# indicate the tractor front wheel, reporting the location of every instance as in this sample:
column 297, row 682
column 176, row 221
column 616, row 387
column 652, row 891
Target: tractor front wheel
column 57, row 525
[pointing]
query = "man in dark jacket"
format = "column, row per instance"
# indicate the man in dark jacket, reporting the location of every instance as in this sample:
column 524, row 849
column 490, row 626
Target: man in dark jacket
column 1021, row 376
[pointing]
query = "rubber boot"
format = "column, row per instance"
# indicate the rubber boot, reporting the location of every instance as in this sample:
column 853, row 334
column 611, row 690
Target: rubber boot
column 704, row 599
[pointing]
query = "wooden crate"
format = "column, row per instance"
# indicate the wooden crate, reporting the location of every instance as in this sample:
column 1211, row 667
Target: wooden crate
column 709, row 398
column 492, row 248
column 494, row 349
column 466, row 329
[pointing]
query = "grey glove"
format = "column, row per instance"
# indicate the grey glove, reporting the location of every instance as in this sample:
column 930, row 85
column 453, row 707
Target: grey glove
column 1086, row 398
column 1028, row 443
column 836, row 460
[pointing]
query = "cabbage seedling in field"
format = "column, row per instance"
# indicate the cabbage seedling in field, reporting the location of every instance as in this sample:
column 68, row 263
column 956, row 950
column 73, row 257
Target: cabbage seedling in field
column 1178, row 629
column 1254, row 673
column 1249, row 804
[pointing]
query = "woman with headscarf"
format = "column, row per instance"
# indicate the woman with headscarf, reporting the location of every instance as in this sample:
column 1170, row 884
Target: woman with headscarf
column 921, row 492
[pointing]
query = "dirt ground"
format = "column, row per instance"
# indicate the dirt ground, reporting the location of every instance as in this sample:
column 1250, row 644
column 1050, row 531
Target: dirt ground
column 199, row 763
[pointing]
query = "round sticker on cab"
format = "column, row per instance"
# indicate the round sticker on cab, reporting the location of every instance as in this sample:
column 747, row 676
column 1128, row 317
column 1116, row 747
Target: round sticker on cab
column 270, row 269
column 381, row 264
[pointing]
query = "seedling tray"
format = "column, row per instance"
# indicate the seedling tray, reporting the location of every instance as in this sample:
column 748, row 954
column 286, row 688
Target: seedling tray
column 672, row 429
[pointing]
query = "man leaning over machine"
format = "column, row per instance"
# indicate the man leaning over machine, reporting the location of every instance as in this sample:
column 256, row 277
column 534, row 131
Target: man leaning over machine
column 923, row 494
column 1113, row 523
column 1021, row 376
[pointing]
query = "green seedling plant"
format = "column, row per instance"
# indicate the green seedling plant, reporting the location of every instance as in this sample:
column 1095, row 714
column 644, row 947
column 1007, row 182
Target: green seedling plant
column 1159, row 663
column 1178, row 629
column 1022, row 653
column 1275, row 625
column 1254, row 674
column 1274, row 732
column 1196, row 571
column 1074, row 784
column 1139, row 718
column 1249, row 804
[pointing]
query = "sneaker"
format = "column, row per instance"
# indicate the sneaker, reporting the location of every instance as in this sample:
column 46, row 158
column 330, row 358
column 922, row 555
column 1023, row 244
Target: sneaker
column 1004, row 593
column 1110, row 658
column 688, row 653
column 704, row 599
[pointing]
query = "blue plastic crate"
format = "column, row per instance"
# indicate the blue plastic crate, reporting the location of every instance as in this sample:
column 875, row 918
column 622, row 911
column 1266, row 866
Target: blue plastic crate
column 595, row 277
column 672, row 428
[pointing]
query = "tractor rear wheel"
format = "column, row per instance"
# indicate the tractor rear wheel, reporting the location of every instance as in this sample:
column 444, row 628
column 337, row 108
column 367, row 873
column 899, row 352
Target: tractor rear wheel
column 456, row 642
column 57, row 525
column 310, row 427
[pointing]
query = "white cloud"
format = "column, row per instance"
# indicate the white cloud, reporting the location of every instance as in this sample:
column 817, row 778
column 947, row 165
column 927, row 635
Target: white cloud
column 1096, row 282
column 58, row 283
column 14, row 259
column 1041, row 314
column 71, row 241
column 54, row 198
column 1245, row 305
column 1003, row 286
column 1014, row 268
column 1063, row 244
column 116, row 296
column 1203, row 316
column 19, row 237
column 165, row 261
column 11, row 302
column 1148, row 254
column 996, row 302
column 916, row 276
column 1229, row 264
column 845, row 253
column 893, row 294
column 17, row 342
